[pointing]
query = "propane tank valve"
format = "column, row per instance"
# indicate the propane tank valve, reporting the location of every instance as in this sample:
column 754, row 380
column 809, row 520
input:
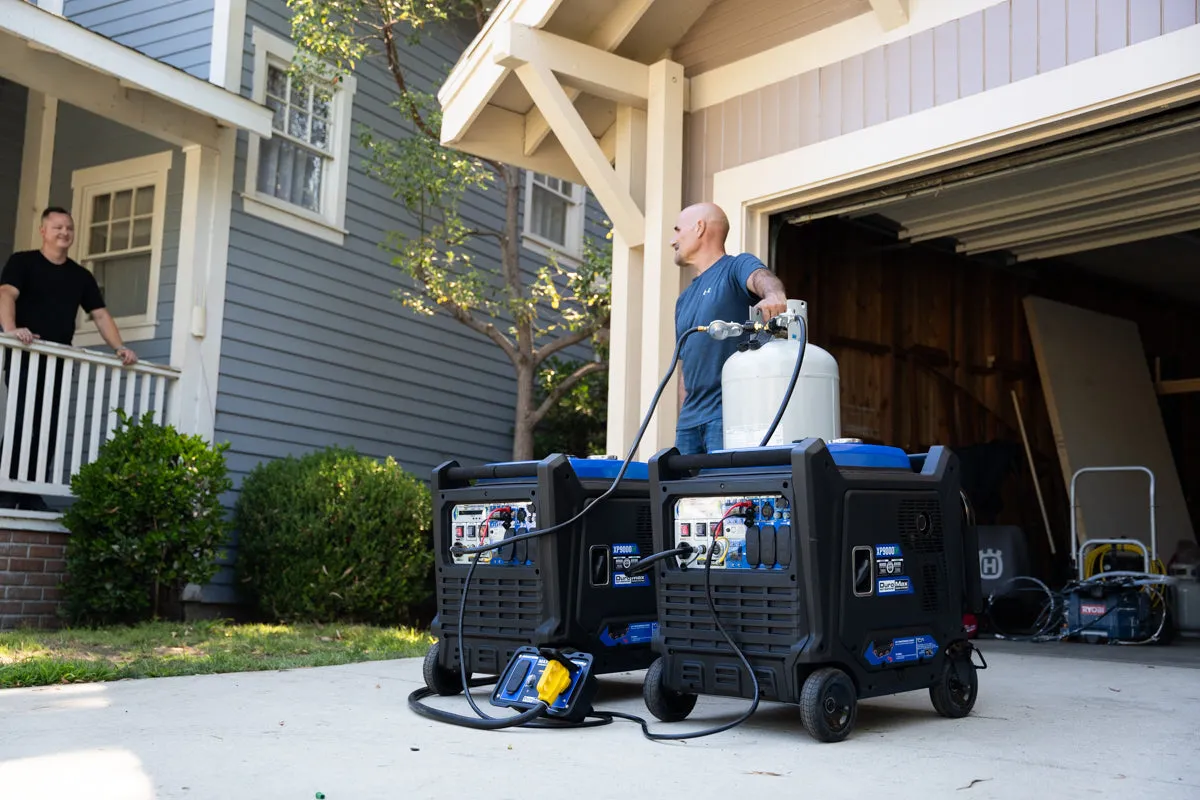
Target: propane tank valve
column 720, row 329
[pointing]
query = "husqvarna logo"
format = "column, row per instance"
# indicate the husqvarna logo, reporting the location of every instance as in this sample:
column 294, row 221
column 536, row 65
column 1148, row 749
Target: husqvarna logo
column 991, row 565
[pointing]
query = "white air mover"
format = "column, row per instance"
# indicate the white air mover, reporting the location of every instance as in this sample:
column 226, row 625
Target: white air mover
column 754, row 381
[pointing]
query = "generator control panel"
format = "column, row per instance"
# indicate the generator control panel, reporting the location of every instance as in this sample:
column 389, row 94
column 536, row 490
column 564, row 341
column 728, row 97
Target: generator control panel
column 736, row 532
column 475, row 524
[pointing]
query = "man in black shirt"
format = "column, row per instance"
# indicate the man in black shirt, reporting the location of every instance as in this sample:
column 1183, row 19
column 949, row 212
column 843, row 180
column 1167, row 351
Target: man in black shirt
column 41, row 291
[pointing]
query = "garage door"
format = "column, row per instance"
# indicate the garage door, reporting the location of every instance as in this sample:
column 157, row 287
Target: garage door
column 1134, row 183
column 1121, row 203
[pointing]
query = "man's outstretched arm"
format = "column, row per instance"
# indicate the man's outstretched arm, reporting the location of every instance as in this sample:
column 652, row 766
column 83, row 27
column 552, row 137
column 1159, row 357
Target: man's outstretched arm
column 766, row 284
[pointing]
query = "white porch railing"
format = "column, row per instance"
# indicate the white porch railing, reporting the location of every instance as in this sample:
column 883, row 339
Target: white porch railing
column 59, row 403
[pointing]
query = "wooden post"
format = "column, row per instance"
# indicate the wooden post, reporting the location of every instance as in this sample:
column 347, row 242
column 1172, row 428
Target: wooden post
column 625, row 342
column 664, row 198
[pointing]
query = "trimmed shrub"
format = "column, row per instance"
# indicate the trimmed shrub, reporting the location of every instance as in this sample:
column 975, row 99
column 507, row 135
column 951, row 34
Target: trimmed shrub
column 147, row 520
column 334, row 536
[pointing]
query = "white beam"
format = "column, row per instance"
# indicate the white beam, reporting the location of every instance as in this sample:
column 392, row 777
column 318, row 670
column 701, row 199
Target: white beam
column 93, row 53
column 891, row 13
column 608, row 36
column 660, row 287
column 200, row 284
column 576, row 64
column 476, row 77
column 228, row 44
column 577, row 140
column 37, row 161
column 625, row 327
column 92, row 91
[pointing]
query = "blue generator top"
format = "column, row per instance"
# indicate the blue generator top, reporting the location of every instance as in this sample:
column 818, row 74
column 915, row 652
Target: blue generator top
column 877, row 456
column 607, row 468
column 604, row 469
column 854, row 455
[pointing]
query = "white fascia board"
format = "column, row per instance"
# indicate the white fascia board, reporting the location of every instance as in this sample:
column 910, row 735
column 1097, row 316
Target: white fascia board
column 51, row 33
column 476, row 76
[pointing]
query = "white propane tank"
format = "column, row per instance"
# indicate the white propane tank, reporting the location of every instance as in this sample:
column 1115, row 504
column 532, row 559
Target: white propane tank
column 753, row 383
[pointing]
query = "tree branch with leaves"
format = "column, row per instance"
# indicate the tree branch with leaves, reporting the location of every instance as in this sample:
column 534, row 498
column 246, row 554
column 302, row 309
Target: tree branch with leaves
column 530, row 317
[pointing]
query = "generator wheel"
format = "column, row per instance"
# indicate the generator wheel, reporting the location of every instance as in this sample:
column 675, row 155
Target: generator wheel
column 666, row 704
column 829, row 705
column 444, row 681
column 953, row 696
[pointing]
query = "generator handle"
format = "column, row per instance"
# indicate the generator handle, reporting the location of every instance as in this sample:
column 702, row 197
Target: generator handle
column 1153, row 553
column 756, row 457
column 1090, row 543
column 519, row 469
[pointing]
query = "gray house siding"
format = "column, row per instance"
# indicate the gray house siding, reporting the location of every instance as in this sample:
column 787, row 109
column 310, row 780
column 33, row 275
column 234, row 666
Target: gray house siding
column 177, row 32
column 12, row 143
column 1003, row 44
column 82, row 140
column 316, row 350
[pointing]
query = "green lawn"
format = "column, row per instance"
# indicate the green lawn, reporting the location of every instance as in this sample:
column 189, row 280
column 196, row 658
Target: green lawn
column 161, row 649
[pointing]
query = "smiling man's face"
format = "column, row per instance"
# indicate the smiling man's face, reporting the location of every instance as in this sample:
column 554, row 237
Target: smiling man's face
column 58, row 231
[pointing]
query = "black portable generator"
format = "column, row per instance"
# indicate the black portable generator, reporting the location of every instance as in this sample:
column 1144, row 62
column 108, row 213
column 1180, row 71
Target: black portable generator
column 841, row 571
column 571, row 589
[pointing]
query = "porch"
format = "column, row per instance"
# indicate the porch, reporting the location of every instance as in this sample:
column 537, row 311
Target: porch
column 50, row 433
column 142, row 155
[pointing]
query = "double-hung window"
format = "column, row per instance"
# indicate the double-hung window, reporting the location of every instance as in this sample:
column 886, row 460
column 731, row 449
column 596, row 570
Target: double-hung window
column 554, row 215
column 120, row 210
column 298, row 177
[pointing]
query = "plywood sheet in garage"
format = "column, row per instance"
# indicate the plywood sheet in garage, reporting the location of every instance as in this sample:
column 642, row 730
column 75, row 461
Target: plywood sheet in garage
column 1105, row 412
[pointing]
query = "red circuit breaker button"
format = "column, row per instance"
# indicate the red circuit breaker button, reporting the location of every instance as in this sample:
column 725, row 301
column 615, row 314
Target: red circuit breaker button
column 685, row 529
column 458, row 531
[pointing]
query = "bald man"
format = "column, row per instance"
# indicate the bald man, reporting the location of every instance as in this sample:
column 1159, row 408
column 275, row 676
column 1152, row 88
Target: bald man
column 724, row 287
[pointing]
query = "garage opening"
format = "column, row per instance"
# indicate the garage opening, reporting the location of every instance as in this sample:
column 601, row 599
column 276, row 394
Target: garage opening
column 1038, row 312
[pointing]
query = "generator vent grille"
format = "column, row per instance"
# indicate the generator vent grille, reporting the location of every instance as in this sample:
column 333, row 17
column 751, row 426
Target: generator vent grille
column 499, row 606
column 933, row 585
column 644, row 529
column 920, row 524
column 763, row 620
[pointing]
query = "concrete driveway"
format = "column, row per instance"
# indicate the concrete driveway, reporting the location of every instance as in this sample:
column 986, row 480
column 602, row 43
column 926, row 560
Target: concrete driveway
column 1045, row 726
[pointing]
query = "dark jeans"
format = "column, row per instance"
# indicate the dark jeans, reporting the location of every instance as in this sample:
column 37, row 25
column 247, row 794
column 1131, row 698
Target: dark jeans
column 703, row 438
column 21, row 386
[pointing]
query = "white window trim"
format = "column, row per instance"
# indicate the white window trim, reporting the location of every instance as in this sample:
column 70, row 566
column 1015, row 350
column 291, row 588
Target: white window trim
column 329, row 226
column 576, row 222
column 90, row 181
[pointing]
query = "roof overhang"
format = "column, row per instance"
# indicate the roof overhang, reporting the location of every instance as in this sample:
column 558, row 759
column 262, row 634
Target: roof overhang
column 488, row 110
column 60, row 58
column 597, row 50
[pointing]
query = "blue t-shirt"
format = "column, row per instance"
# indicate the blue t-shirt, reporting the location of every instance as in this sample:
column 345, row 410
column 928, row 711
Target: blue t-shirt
column 718, row 293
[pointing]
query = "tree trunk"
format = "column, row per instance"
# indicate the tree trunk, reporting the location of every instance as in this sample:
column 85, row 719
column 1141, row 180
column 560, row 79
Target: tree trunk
column 524, row 364
column 522, row 426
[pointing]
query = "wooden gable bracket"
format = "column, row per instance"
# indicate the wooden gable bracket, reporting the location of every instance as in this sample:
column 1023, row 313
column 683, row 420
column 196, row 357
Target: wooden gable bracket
column 891, row 13
column 607, row 37
column 535, row 56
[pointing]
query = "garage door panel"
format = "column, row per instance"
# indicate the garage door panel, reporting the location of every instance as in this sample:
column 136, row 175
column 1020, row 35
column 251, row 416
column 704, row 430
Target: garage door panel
column 1131, row 185
column 1091, row 219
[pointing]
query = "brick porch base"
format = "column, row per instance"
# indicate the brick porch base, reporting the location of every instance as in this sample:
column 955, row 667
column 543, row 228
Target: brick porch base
column 32, row 564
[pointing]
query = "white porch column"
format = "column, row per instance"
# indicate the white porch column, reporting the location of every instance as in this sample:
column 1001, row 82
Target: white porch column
column 625, row 342
column 200, row 284
column 37, row 160
column 660, row 286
